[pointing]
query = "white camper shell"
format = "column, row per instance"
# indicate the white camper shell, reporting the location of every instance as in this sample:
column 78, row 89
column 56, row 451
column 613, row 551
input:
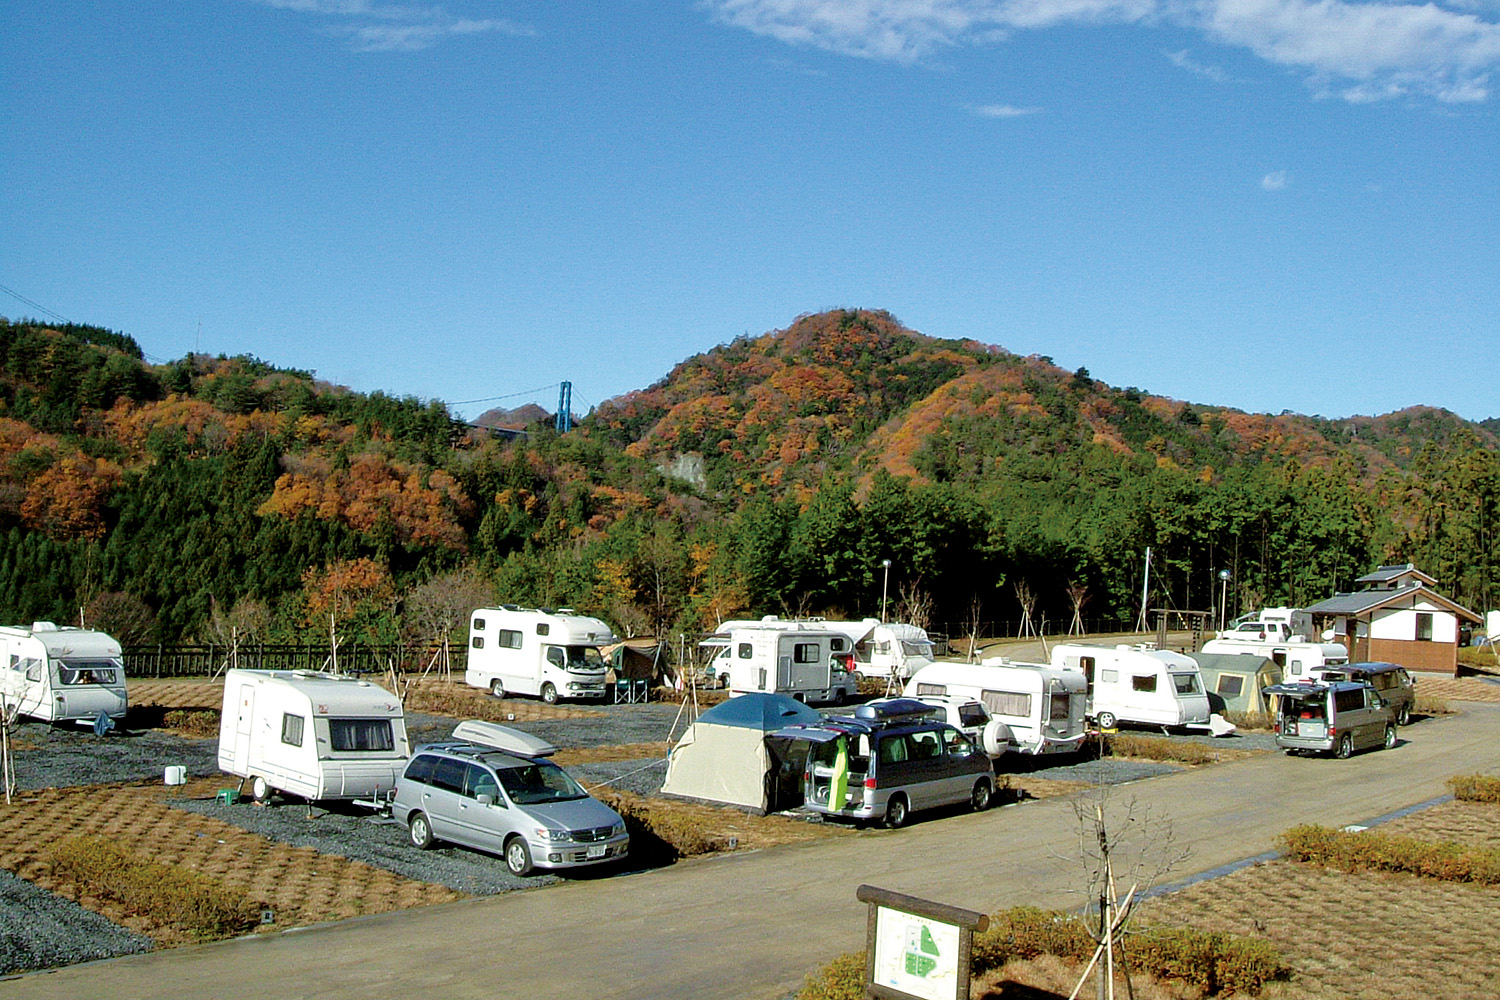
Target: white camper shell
column 311, row 734
column 61, row 674
column 550, row 654
column 802, row 659
column 1299, row 661
column 1141, row 684
column 1044, row 707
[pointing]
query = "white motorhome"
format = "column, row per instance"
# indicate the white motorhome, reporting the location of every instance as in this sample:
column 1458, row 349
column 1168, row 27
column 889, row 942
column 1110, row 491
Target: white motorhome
column 1140, row 684
column 1044, row 707
column 311, row 734
column 1271, row 624
column 62, row 674
column 802, row 659
column 551, row 654
column 892, row 649
column 1299, row 661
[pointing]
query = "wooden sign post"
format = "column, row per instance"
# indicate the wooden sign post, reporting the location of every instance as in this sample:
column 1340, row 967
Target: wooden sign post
column 916, row 948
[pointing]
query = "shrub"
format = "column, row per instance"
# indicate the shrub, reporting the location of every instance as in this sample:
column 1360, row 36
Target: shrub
column 1475, row 788
column 193, row 723
column 661, row 831
column 1368, row 850
column 1158, row 748
column 199, row 904
column 1430, row 704
column 1211, row 961
column 841, row 979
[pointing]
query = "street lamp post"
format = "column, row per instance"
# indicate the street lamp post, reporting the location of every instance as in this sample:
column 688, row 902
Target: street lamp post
column 884, row 586
column 1224, row 575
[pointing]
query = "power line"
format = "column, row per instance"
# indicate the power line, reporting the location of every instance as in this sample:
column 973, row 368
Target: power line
column 35, row 305
column 512, row 395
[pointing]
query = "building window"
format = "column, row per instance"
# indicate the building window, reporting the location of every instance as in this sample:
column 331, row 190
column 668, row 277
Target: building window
column 1424, row 626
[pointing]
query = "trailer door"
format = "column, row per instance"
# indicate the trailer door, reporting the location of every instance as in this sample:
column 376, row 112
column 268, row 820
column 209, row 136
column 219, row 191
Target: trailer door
column 242, row 725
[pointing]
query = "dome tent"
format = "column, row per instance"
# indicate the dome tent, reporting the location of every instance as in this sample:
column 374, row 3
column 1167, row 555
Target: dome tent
column 724, row 756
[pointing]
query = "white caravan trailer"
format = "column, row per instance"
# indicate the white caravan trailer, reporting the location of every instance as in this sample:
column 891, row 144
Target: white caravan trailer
column 553, row 654
column 311, row 734
column 1043, row 707
column 1142, row 684
column 800, row 659
column 61, row 674
column 1299, row 661
column 891, row 649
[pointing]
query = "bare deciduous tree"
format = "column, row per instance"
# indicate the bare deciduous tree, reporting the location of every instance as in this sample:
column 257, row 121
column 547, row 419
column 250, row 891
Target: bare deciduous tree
column 914, row 606
column 1027, row 598
column 435, row 609
column 1078, row 596
column 126, row 617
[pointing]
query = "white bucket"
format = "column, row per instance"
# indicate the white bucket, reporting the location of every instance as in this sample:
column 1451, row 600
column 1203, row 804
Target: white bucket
column 175, row 774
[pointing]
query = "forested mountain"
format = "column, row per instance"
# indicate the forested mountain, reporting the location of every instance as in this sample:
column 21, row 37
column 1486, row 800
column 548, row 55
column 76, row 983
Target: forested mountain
column 213, row 496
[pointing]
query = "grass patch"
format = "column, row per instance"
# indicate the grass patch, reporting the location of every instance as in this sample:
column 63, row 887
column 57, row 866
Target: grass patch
column 1372, row 851
column 459, row 701
column 197, row 904
column 663, row 830
column 1159, row 748
column 1475, row 788
column 192, row 723
column 1430, row 704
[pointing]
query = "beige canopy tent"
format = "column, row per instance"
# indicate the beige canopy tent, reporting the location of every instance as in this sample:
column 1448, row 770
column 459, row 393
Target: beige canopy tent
column 725, row 756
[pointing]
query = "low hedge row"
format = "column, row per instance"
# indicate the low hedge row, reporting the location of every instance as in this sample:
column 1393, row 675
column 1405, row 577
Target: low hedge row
column 1158, row 748
column 198, row 904
column 1372, row 851
column 1475, row 788
column 1211, row 962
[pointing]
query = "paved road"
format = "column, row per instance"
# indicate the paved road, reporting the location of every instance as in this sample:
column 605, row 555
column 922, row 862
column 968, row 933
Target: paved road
column 753, row 924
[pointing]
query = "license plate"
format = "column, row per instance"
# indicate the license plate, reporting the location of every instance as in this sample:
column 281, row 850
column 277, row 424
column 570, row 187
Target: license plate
column 598, row 850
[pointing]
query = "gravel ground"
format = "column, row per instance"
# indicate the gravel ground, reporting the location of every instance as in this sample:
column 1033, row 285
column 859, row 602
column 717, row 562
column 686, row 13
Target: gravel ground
column 64, row 756
column 39, row 930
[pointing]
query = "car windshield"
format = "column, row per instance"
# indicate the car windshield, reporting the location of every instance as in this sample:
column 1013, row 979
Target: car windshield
column 575, row 657
column 537, row 783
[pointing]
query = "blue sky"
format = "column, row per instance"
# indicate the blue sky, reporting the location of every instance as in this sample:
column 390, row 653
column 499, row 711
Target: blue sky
column 1264, row 204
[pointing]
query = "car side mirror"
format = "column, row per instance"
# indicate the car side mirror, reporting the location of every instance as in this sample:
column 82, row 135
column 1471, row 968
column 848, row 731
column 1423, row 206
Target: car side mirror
column 485, row 799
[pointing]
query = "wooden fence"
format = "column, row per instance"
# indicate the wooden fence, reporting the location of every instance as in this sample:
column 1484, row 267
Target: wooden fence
column 208, row 660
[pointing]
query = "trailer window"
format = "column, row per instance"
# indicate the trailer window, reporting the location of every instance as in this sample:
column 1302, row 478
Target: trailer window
column 1138, row 683
column 542, row 628
column 1109, row 677
column 477, row 642
column 85, row 672
column 743, row 651
column 510, row 638
column 1231, row 685
column 836, row 644
column 291, row 729
column 937, row 689
column 478, row 625
column 361, row 734
column 805, row 652
column 1185, row 683
column 1061, row 705
column 1007, row 702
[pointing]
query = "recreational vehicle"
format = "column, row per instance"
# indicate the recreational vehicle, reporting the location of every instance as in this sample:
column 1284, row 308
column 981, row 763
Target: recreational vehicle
column 1141, row 684
column 1273, row 624
column 311, row 734
column 1044, row 707
column 61, row 674
column 553, row 654
column 886, row 650
column 801, row 659
column 1297, row 659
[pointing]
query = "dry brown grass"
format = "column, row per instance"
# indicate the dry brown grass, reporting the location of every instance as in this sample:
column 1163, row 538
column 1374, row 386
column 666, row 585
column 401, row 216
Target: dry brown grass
column 1440, row 688
column 299, row 884
column 457, row 700
column 698, row 828
column 612, row 752
column 1472, row 824
column 176, row 693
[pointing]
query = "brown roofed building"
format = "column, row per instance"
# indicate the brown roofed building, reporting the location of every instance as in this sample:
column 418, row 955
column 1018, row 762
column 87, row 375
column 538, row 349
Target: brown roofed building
column 1396, row 618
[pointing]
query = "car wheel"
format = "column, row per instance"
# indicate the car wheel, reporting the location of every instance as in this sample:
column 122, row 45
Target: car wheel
column 1390, row 737
column 1106, row 720
column 260, row 789
column 980, row 798
column 896, row 812
column 517, row 856
column 549, row 693
column 724, row 682
column 497, row 689
column 1345, row 747
column 420, row 830
column 1403, row 717
column 838, row 696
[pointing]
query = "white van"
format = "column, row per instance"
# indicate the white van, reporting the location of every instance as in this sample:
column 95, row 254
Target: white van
column 1142, row 684
column 1044, row 707
column 62, row 674
column 1273, row 624
column 800, row 659
column 1299, row 661
column 552, row 654
column 311, row 734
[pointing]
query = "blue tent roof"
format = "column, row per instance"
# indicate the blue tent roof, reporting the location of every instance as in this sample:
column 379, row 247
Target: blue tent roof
column 760, row 711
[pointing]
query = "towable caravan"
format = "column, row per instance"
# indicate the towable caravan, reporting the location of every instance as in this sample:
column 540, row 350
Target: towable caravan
column 62, row 674
column 1299, row 661
column 1043, row 707
column 1143, row 684
column 801, row 659
column 311, row 734
column 553, row 654
column 885, row 649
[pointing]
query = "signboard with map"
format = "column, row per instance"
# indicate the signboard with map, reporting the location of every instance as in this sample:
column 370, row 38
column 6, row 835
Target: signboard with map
column 917, row 948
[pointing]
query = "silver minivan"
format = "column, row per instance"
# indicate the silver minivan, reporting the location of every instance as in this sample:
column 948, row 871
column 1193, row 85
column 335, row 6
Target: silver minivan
column 1336, row 717
column 523, row 808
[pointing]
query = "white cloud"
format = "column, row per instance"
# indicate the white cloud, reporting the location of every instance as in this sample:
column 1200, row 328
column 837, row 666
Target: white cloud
column 1276, row 180
column 1182, row 60
column 1003, row 111
column 370, row 26
column 1360, row 50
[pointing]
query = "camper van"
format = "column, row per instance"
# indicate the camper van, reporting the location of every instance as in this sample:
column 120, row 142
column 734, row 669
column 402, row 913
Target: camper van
column 311, row 734
column 553, row 654
column 1141, row 684
column 1271, row 624
column 1297, row 659
column 886, row 650
column 798, row 658
column 61, row 674
column 1044, row 707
